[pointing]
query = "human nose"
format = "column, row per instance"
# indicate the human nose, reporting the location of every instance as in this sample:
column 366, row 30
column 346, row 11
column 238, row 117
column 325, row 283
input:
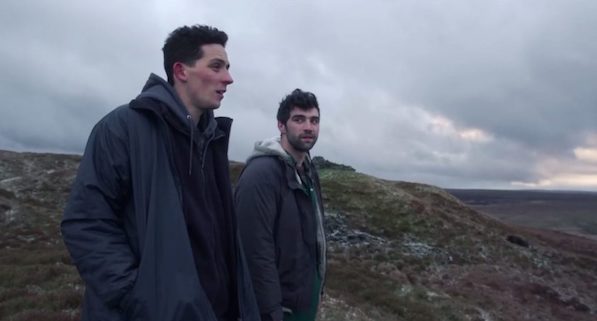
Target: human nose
column 227, row 78
column 309, row 126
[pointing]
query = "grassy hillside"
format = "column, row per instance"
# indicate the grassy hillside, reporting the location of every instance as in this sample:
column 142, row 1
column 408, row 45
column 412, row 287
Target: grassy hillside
column 440, row 260
column 397, row 251
column 37, row 281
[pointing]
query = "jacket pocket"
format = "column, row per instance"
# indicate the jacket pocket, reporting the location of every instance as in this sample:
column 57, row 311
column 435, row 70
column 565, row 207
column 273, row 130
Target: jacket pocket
column 128, row 304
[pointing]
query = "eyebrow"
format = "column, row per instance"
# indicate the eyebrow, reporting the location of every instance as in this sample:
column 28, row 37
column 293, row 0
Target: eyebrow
column 304, row 116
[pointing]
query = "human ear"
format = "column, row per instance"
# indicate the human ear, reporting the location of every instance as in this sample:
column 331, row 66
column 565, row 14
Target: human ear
column 282, row 127
column 179, row 71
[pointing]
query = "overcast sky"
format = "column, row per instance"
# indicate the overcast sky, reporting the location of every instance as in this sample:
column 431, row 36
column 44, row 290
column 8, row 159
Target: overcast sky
column 454, row 93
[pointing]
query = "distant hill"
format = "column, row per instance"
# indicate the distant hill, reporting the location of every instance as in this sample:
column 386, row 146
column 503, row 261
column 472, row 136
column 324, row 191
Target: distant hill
column 397, row 251
column 568, row 211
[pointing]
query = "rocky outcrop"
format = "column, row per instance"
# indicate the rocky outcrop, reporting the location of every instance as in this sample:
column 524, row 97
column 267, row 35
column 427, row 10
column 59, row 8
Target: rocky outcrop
column 341, row 236
column 322, row 163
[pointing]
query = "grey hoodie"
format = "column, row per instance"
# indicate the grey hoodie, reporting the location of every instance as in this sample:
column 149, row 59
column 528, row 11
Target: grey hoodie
column 157, row 88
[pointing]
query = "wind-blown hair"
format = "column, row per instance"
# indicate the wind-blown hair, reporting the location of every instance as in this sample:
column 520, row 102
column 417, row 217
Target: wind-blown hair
column 298, row 98
column 184, row 45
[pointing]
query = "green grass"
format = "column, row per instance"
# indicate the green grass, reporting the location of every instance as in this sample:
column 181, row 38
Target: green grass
column 359, row 286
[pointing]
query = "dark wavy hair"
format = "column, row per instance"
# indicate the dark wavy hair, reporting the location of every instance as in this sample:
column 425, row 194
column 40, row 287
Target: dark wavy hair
column 184, row 45
column 298, row 98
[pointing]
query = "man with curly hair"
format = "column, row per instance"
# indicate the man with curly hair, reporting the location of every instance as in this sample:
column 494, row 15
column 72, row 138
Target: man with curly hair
column 280, row 211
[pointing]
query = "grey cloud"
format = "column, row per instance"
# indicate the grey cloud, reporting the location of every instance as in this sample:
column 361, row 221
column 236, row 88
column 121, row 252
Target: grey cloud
column 523, row 73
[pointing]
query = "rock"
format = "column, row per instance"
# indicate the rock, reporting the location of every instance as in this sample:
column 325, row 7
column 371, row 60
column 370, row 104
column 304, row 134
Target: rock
column 515, row 239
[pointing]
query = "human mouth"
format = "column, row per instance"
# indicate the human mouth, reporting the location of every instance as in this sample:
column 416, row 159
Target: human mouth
column 221, row 93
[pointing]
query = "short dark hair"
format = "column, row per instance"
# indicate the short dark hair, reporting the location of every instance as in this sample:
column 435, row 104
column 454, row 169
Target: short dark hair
column 184, row 45
column 298, row 98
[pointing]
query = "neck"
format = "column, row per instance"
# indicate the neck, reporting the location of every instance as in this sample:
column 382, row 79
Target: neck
column 193, row 111
column 298, row 156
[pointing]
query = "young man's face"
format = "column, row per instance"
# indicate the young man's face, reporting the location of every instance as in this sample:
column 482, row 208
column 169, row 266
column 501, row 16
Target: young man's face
column 302, row 129
column 205, row 81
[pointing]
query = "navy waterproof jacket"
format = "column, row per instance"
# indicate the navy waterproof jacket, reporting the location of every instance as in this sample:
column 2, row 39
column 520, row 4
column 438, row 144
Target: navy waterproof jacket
column 124, row 225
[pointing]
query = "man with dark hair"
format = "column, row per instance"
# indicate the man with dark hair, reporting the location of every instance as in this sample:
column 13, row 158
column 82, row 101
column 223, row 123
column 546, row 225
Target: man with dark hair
column 150, row 222
column 280, row 212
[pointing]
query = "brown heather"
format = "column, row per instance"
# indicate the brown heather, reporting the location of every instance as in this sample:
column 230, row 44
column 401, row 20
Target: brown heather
column 397, row 251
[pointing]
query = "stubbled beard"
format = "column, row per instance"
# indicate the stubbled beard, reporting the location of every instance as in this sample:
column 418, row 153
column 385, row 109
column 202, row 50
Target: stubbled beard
column 298, row 145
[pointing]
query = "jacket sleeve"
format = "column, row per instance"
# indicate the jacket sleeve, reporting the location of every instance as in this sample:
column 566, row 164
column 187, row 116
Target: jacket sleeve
column 92, row 226
column 256, row 196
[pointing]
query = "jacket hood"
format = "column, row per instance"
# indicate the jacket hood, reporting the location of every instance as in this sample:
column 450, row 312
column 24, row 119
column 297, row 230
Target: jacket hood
column 271, row 147
column 159, row 89
column 174, row 112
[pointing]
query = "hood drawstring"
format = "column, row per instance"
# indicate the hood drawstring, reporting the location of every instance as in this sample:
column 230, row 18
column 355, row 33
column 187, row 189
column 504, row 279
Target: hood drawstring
column 203, row 145
column 190, row 119
column 203, row 154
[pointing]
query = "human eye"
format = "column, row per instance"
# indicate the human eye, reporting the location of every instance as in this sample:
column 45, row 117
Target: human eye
column 216, row 66
column 315, row 120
